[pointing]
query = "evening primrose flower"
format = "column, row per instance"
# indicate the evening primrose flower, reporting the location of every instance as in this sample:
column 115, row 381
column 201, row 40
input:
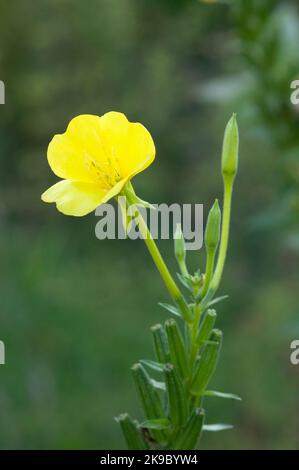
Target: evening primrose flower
column 95, row 158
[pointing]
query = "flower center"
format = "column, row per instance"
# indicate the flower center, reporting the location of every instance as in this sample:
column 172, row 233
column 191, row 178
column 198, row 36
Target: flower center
column 107, row 172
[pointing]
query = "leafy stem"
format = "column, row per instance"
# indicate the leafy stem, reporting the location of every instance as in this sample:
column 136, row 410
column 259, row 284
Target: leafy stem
column 172, row 287
column 174, row 417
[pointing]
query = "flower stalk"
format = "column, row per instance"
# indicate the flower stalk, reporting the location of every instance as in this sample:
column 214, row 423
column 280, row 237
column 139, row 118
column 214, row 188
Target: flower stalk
column 94, row 165
column 171, row 286
column 187, row 362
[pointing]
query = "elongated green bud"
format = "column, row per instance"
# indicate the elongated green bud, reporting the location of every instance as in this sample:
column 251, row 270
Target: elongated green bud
column 131, row 432
column 178, row 356
column 150, row 399
column 188, row 438
column 212, row 232
column 206, row 327
column 230, row 148
column 179, row 244
column 160, row 343
column 207, row 363
column 176, row 396
column 179, row 249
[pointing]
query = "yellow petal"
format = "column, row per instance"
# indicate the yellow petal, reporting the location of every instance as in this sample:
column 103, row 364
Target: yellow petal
column 79, row 198
column 141, row 150
column 130, row 143
column 70, row 155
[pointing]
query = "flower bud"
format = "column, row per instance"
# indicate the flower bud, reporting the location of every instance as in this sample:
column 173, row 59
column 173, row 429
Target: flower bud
column 160, row 343
column 177, row 402
column 230, row 148
column 207, row 363
column 150, row 399
column 212, row 232
column 179, row 244
column 177, row 350
column 206, row 327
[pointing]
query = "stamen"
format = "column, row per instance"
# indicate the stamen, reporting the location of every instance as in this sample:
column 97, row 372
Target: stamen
column 107, row 173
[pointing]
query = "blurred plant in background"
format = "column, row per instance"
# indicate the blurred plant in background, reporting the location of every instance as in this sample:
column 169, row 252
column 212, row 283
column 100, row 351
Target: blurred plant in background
column 265, row 36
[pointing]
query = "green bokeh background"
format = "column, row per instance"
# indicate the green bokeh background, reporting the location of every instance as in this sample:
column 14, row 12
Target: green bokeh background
column 75, row 312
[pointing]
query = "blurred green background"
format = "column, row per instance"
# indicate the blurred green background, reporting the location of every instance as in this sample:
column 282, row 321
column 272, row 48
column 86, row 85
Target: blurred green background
column 76, row 312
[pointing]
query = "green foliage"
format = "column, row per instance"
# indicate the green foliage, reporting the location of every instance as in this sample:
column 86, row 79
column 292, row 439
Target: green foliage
column 188, row 360
column 265, row 63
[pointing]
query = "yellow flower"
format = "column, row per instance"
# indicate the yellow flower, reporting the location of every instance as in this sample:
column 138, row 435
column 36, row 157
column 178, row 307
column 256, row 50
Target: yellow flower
column 96, row 157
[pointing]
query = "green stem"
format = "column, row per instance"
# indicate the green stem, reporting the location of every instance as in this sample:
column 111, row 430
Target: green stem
column 227, row 199
column 194, row 329
column 183, row 268
column 173, row 289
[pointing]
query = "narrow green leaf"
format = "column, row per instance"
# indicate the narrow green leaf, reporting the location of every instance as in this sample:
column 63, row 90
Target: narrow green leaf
column 184, row 281
column 217, row 299
column 162, row 423
column 215, row 393
column 157, row 366
column 216, row 427
column 171, row 308
column 131, row 432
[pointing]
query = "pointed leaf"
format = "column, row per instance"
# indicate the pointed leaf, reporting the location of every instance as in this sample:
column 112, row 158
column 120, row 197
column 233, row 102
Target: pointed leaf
column 217, row 299
column 171, row 308
column 215, row 393
column 216, row 427
column 186, row 282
